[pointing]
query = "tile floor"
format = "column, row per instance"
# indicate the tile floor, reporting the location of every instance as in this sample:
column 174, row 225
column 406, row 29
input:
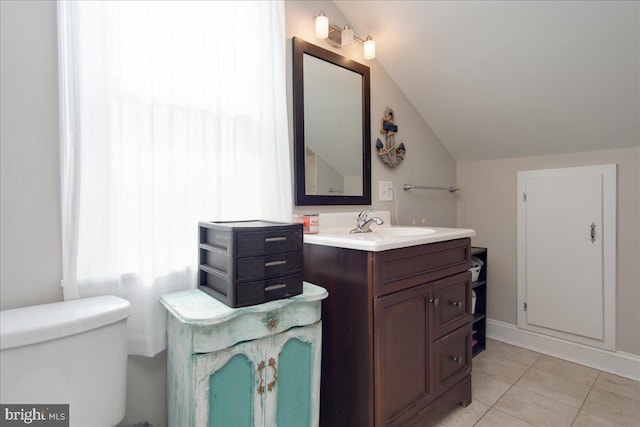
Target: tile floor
column 515, row 387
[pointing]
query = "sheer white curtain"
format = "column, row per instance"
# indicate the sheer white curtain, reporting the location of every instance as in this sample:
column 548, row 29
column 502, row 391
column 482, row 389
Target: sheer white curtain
column 172, row 113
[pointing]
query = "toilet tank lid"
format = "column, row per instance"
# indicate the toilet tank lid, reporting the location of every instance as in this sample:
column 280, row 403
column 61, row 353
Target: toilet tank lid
column 39, row 323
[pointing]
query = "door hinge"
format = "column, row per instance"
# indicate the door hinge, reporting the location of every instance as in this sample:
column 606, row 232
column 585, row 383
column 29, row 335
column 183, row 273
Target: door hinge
column 525, row 306
column 524, row 197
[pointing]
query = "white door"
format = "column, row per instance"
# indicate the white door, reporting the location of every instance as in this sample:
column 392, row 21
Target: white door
column 564, row 228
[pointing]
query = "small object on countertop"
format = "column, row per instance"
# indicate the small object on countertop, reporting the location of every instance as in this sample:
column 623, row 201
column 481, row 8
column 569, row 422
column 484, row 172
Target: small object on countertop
column 314, row 223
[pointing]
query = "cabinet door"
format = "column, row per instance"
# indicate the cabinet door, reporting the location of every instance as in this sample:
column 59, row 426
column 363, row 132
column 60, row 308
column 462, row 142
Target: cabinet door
column 293, row 378
column 451, row 303
column 229, row 386
column 402, row 376
column 266, row 382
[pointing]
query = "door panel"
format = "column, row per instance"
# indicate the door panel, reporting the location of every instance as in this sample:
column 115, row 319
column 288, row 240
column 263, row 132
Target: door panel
column 567, row 253
column 230, row 384
column 564, row 265
column 402, row 326
column 295, row 366
column 231, row 394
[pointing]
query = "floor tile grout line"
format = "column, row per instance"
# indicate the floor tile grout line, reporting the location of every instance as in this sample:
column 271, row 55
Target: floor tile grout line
column 592, row 387
column 586, row 397
column 505, row 393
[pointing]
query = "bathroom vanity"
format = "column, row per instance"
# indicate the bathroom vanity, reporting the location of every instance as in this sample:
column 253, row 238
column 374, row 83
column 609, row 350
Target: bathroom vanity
column 257, row 365
column 396, row 328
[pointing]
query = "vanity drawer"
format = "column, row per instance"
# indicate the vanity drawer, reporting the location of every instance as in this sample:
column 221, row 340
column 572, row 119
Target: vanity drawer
column 452, row 303
column 400, row 269
column 452, row 357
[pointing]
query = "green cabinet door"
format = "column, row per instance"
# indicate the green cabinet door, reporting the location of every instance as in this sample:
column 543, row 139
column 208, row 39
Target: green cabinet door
column 294, row 384
column 268, row 382
column 294, row 401
column 230, row 394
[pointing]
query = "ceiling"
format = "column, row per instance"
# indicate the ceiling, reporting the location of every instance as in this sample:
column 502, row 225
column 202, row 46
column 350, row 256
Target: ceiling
column 497, row 79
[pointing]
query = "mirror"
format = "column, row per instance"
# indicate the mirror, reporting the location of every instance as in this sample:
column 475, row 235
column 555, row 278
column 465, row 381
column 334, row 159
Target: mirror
column 332, row 129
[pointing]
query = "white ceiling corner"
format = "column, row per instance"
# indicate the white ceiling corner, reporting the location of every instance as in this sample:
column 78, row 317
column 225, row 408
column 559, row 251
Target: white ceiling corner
column 497, row 79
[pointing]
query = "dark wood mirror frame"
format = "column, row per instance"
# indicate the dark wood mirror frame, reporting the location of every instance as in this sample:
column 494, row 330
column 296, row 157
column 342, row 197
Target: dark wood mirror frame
column 300, row 48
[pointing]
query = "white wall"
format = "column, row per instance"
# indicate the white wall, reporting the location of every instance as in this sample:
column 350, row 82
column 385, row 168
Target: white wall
column 30, row 255
column 30, row 210
column 488, row 204
column 427, row 162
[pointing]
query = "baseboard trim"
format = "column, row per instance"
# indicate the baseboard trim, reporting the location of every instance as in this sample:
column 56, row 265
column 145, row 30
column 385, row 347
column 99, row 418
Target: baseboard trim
column 616, row 362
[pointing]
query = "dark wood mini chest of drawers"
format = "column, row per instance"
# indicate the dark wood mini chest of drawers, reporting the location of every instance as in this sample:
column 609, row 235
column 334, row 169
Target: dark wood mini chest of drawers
column 250, row 262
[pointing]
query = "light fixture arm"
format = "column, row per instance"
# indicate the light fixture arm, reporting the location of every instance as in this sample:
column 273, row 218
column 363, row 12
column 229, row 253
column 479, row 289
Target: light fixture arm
column 333, row 29
column 333, row 35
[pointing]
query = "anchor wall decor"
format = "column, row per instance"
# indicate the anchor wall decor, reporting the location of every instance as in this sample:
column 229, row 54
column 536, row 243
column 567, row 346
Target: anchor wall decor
column 388, row 153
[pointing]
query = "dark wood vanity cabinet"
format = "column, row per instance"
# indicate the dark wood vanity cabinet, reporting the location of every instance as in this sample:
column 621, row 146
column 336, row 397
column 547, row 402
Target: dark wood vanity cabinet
column 396, row 333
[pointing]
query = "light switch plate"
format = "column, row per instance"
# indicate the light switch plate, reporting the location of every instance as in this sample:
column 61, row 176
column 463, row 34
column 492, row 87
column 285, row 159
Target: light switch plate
column 386, row 191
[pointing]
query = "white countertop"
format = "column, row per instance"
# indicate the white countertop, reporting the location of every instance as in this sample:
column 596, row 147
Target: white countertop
column 334, row 231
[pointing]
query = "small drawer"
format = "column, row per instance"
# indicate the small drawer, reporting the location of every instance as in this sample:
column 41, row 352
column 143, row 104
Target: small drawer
column 452, row 307
column 403, row 268
column 265, row 267
column 257, row 292
column 249, row 293
column 269, row 242
column 452, row 357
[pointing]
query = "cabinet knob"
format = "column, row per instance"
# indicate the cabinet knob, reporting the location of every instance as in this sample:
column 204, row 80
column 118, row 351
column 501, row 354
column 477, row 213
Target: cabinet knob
column 457, row 303
column 272, row 323
column 457, row 359
column 434, row 301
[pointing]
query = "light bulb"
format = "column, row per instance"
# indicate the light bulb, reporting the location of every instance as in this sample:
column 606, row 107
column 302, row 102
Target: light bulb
column 347, row 36
column 322, row 26
column 369, row 48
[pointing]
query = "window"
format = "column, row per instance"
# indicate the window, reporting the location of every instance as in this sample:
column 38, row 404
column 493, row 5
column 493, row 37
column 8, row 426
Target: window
column 172, row 113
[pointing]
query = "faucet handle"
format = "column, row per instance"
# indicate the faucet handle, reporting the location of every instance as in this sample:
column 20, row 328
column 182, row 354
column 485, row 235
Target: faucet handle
column 364, row 213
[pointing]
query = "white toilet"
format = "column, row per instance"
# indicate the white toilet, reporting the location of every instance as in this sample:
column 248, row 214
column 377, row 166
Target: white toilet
column 72, row 352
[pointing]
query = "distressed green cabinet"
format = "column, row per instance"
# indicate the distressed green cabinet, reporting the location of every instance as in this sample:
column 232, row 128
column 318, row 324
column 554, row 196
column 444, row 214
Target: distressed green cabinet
column 251, row 366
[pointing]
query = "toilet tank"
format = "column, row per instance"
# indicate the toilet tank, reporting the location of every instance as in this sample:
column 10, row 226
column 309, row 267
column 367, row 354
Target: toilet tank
column 71, row 352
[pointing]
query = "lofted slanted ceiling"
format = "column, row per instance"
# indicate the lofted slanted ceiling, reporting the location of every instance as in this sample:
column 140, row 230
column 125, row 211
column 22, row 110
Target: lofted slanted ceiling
column 497, row 79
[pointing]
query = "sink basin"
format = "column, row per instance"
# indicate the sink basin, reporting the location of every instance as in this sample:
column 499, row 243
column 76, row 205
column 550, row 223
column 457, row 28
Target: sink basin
column 334, row 231
column 398, row 231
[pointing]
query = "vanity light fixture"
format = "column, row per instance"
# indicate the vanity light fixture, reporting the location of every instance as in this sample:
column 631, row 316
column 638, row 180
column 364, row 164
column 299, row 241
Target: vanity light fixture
column 369, row 48
column 342, row 37
column 322, row 26
column 347, row 36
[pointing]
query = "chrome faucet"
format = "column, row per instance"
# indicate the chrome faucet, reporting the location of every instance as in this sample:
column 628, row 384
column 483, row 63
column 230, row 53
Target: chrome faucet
column 363, row 224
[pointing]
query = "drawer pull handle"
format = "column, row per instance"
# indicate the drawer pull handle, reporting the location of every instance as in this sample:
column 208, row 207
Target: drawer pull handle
column 261, row 367
column 457, row 304
column 274, row 239
column 459, row 360
column 434, row 301
column 274, row 287
column 274, row 263
column 272, row 364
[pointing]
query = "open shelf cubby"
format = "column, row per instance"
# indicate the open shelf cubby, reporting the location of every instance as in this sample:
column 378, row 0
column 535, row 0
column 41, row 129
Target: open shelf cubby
column 478, row 338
